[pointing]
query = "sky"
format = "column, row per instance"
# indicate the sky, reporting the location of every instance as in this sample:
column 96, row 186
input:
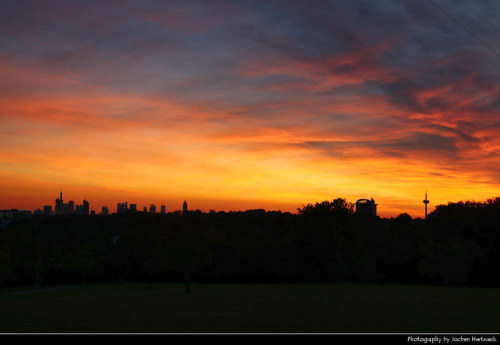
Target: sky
column 235, row 105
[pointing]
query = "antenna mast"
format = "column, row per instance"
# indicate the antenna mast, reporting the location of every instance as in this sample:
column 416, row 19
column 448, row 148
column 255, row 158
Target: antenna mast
column 426, row 202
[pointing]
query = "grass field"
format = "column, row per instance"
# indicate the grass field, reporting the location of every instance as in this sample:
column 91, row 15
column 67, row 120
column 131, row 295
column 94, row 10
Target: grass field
column 233, row 308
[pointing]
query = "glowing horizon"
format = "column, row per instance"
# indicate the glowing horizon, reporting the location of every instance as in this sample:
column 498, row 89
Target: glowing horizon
column 243, row 105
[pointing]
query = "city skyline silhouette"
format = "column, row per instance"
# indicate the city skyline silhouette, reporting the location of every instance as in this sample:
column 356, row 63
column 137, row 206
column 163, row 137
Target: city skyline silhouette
column 362, row 206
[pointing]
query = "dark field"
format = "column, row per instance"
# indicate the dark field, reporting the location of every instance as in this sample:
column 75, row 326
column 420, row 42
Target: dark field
column 233, row 308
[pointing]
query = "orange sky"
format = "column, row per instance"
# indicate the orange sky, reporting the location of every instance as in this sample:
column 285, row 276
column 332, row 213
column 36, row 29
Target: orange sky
column 237, row 105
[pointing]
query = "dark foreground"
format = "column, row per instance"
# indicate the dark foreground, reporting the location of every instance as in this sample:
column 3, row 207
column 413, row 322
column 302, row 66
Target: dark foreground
column 259, row 308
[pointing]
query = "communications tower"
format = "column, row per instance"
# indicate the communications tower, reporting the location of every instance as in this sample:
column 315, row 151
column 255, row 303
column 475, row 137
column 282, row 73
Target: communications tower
column 426, row 202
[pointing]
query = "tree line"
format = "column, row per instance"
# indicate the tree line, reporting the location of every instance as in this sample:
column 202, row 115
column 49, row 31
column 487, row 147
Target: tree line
column 458, row 244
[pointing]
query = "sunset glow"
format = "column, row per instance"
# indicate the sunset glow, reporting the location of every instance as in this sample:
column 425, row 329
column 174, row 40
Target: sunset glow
column 235, row 105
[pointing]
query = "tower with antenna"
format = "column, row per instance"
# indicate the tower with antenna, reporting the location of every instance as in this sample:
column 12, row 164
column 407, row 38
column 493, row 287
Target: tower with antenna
column 426, row 202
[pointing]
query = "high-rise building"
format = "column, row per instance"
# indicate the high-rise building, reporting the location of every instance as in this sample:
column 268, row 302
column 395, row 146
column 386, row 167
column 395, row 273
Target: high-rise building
column 162, row 209
column 86, row 207
column 184, row 206
column 105, row 210
column 79, row 209
column 367, row 207
column 83, row 209
column 133, row 207
column 122, row 207
column 145, row 210
column 152, row 208
column 59, row 208
column 47, row 210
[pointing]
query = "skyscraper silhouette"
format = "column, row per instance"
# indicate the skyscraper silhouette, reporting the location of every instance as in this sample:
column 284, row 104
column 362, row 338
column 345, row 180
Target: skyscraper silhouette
column 59, row 205
column 122, row 207
column 86, row 207
column 184, row 207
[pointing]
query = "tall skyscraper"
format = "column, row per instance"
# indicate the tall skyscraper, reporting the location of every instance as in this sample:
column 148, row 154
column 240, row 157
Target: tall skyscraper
column 133, row 207
column 105, row 210
column 83, row 209
column 152, row 208
column 86, row 207
column 426, row 202
column 184, row 206
column 59, row 208
column 162, row 209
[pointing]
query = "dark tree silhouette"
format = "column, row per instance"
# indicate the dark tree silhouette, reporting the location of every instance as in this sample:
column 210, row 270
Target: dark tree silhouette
column 458, row 243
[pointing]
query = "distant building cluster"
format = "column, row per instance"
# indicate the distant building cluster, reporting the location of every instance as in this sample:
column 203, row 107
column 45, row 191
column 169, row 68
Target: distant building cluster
column 69, row 208
column 123, row 207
